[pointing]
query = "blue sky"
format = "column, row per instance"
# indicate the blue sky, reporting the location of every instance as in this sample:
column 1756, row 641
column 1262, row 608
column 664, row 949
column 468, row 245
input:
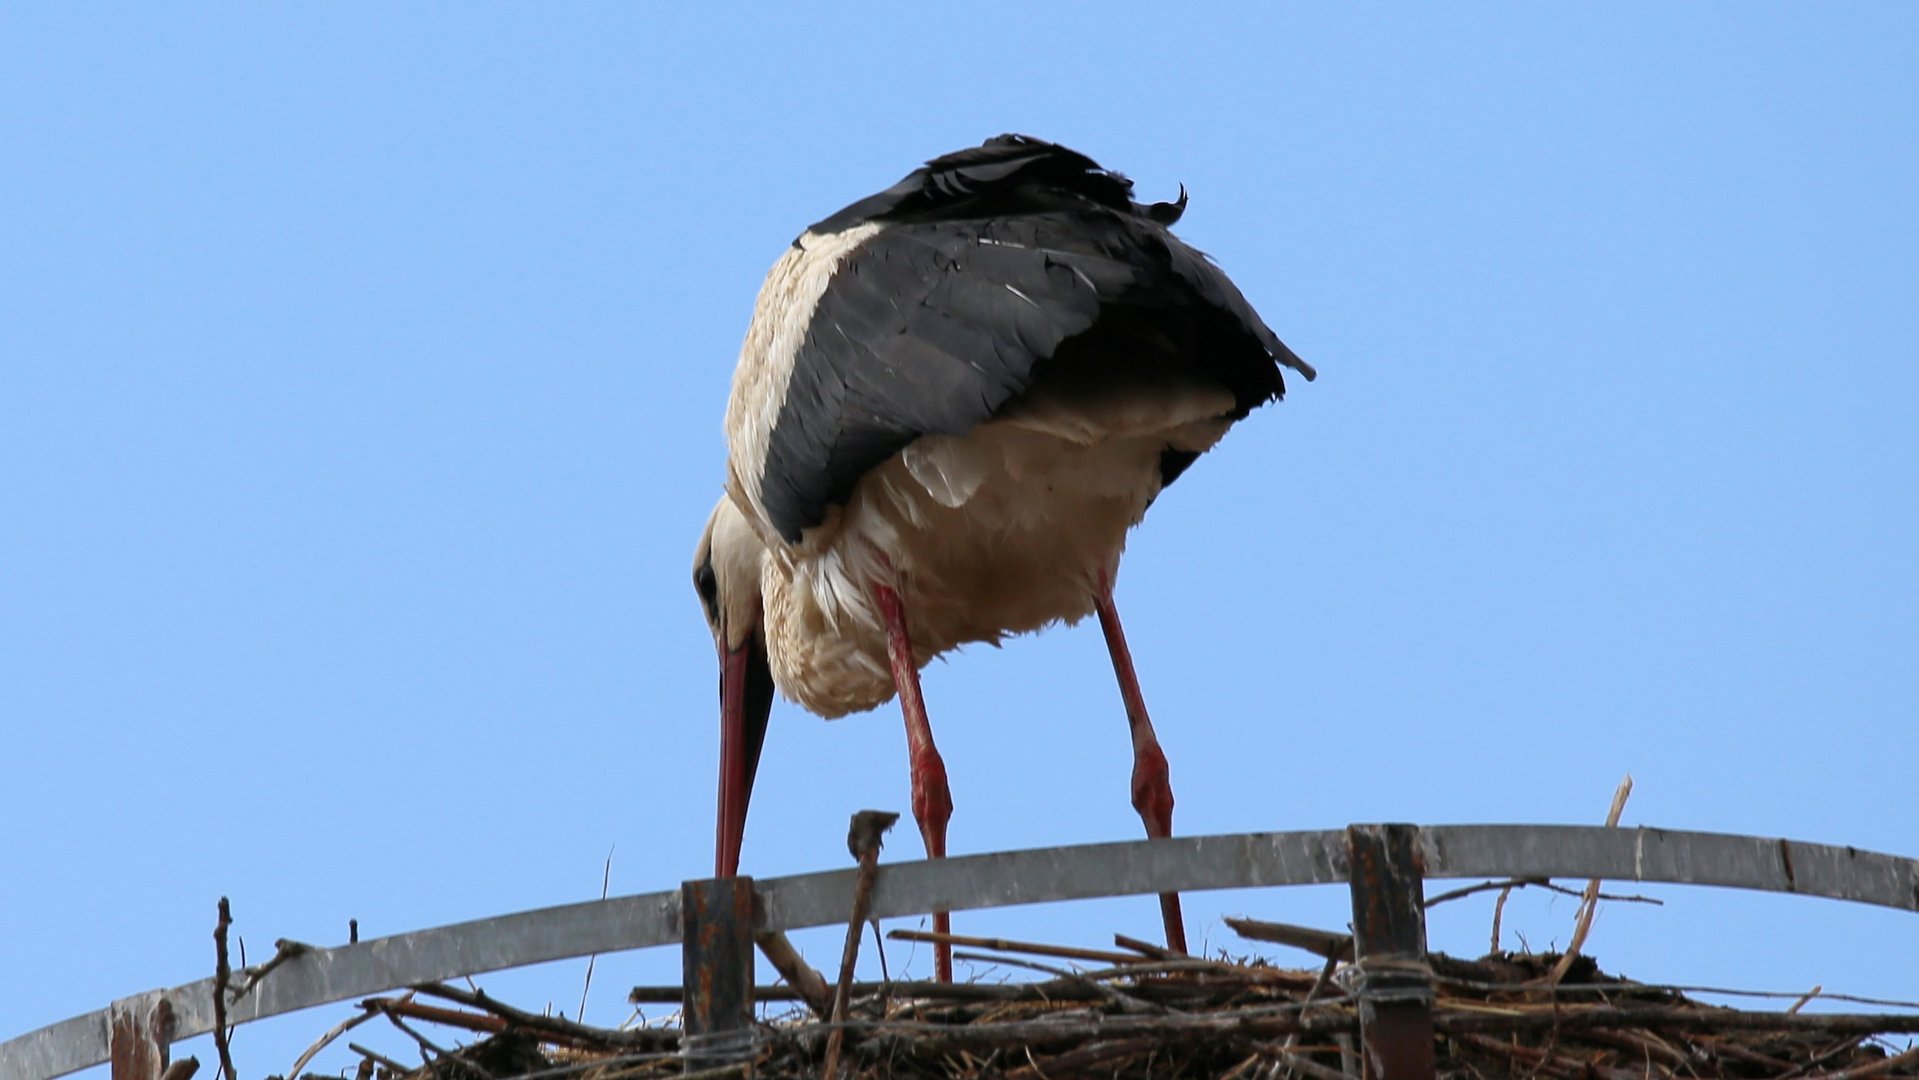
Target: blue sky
column 361, row 370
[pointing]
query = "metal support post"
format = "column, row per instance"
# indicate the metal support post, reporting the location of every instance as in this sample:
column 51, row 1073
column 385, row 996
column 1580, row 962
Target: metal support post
column 1392, row 981
column 716, row 922
column 139, row 1032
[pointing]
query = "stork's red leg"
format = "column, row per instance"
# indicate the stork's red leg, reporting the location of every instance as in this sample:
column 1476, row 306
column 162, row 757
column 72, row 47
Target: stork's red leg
column 932, row 802
column 1152, row 787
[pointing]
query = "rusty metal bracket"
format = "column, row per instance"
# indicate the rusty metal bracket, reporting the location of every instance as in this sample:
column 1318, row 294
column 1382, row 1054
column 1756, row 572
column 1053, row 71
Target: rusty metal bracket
column 1390, row 979
column 716, row 950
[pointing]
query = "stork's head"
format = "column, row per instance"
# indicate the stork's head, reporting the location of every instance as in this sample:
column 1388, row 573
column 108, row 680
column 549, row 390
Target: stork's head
column 726, row 574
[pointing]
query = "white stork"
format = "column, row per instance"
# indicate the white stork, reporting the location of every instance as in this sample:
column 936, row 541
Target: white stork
column 954, row 399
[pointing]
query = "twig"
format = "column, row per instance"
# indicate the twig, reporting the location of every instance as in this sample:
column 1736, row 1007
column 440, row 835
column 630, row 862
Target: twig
column 1589, row 906
column 1820, row 1059
column 1147, row 948
column 810, row 985
column 1124, row 1001
column 1289, row 1058
column 1487, row 886
column 222, row 973
column 429, row 1050
column 332, row 1033
column 922, row 1040
column 1537, row 1061
column 1064, row 952
column 606, row 879
column 1292, row 1060
column 485, row 1023
column 1677, row 1018
column 1645, row 1044
column 1321, row 943
column 1070, row 1063
column 1537, row 883
column 1499, row 911
column 879, row 953
column 1877, row 1068
column 1719, row 1048
column 721, row 1072
column 1191, row 965
column 556, row 1029
column 1807, row 997
column 863, row 841
column 284, row 949
column 1349, row 1066
column 1856, row 999
column 1240, row 1069
column 182, row 1069
column 945, row 993
column 379, row 1059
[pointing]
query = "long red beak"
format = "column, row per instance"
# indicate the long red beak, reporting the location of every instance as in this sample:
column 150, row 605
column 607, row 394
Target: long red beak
column 746, row 701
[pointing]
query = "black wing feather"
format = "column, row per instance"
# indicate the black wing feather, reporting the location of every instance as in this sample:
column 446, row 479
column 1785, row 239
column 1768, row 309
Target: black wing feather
column 991, row 261
column 1006, row 174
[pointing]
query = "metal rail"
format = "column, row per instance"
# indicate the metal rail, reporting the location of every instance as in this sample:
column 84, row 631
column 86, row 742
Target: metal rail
column 1185, row 864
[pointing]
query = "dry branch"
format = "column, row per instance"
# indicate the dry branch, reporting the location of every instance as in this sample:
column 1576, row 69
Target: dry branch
column 809, row 984
column 1029, row 948
column 557, row 1029
column 1589, row 904
column 222, row 974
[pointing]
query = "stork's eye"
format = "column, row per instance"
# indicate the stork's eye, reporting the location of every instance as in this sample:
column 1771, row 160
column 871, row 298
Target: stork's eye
column 708, row 587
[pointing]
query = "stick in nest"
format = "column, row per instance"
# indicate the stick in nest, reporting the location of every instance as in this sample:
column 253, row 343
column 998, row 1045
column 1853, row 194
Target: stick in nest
column 863, row 840
column 222, row 974
column 554, row 1028
column 332, row 1033
column 606, row 880
column 1006, row 945
column 1538, row 883
column 1123, row 1001
column 1589, row 904
column 799, row 975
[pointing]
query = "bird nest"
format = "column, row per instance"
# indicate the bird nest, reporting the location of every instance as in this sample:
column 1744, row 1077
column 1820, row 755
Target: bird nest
column 1147, row 1013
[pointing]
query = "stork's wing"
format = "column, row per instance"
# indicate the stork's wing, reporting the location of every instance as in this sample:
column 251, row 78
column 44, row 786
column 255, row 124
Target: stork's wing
column 930, row 327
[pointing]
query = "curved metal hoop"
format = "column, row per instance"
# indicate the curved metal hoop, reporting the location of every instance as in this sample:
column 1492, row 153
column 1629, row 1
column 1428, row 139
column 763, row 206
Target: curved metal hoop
column 1185, row 864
